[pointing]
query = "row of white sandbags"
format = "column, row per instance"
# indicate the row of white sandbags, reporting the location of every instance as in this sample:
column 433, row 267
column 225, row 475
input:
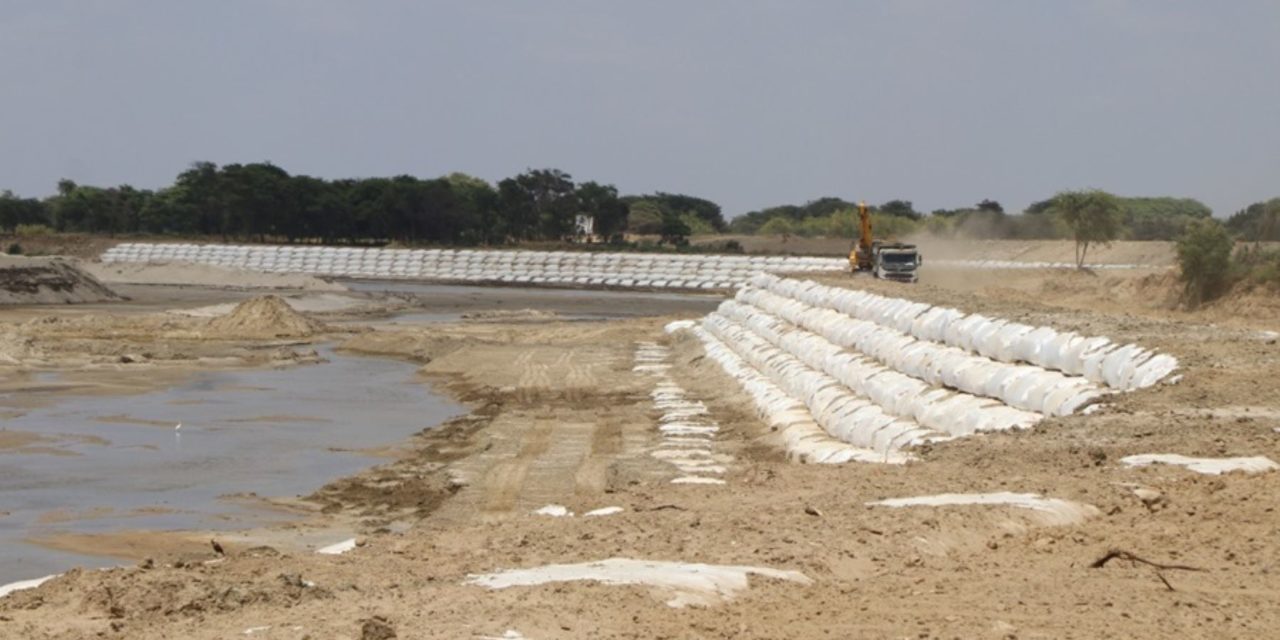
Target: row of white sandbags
column 1021, row 386
column 465, row 258
column 358, row 254
column 801, row 436
column 643, row 271
column 1121, row 367
column 897, row 394
column 838, row 410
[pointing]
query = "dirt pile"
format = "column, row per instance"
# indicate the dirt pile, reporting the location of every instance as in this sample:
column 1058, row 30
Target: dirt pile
column 49, row 281
column 266, row 317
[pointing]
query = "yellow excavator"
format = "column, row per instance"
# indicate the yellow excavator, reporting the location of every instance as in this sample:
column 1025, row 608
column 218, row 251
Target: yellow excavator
column 886, row 260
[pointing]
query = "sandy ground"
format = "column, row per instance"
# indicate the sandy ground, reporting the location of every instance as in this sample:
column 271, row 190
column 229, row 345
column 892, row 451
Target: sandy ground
column 560, row 417
column 199, row 275
column 1147, row 253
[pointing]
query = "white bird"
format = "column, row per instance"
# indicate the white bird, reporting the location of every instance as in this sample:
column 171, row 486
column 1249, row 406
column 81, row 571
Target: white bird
column 177, row 427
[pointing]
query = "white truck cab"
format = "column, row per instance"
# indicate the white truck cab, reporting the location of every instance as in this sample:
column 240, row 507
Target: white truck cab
column 896, row 261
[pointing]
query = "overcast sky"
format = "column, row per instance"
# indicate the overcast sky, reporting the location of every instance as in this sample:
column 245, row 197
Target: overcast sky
column 750, row 104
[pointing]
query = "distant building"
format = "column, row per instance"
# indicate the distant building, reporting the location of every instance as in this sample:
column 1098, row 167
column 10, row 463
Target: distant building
column 584, row 228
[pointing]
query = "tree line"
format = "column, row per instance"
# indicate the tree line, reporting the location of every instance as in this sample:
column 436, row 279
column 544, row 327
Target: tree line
column 1139, row 218
column 261, row 201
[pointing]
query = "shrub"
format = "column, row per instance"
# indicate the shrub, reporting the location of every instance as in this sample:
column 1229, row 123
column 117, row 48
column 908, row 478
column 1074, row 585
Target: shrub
column 1258, row 266
column 1204, row 255
column 778, row 226
column 32, row 230
column 14, row 249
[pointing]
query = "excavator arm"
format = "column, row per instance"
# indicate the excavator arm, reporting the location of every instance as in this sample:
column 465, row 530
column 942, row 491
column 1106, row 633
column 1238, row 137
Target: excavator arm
column 860, row 256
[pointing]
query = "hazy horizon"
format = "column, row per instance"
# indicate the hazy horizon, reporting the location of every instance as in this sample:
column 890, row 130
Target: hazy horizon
column 750, row 105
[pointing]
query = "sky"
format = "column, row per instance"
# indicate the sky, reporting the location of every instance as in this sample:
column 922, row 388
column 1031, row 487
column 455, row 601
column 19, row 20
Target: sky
column 750, row 104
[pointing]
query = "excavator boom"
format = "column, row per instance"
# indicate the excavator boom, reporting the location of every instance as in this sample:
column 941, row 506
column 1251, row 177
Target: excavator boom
column 860, row 256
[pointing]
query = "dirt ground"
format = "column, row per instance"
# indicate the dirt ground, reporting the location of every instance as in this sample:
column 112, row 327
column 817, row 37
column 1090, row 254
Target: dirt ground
column 1146, row 253
column 559, row 416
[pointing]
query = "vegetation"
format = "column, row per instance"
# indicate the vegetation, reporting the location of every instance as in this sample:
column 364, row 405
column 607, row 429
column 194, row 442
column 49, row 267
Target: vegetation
column 261, row 201
column 1259, row 222
column 752, row 222
column 1160, row 218
column 1257, row 266
column 1204, row 256
column 1094, row 217
column 1142, row 218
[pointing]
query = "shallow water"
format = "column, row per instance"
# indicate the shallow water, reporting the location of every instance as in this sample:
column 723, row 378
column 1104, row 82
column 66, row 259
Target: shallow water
column 263, row 431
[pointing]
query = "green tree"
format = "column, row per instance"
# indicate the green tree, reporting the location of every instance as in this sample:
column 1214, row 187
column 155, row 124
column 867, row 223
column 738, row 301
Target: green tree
column 674, row 229
column 1259, row 222
column 601, row 202
column 1093, row 217
column 479, row 200
column 1160, row 218
column 681, row 204
column 779, row 226
column 644, row 218
column 15, row 211
column 200, row 197
column 1204, row 256
column 538, row 203
column 900, row 208
column 990, row 206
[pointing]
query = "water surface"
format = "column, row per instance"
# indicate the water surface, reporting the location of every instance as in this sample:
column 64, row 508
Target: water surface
column 271, row 432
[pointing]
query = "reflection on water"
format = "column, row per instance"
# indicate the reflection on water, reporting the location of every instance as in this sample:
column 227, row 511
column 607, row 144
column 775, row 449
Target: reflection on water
column 269, row 432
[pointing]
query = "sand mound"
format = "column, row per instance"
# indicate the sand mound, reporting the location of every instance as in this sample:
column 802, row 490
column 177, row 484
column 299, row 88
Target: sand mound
column 49, row 281
column 266, row 316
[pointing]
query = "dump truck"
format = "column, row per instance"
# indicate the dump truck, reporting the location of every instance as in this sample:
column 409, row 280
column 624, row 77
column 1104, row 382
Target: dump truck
column 895, row 261
column 886, row 260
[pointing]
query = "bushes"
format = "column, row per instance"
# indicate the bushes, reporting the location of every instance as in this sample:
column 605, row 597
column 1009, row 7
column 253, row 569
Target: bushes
column 14, row 249
column 32, row 230
column 1204, row 254
column 1211, row 267
column 1257, row 267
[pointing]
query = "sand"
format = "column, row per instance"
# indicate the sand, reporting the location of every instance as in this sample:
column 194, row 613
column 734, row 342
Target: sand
column 30, row 281
column 560, row 417
column 265, row 317
column 187, row 274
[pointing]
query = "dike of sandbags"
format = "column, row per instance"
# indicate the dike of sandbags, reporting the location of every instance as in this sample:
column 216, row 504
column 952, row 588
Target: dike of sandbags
column 789, row 419
column 1119, row 367
column 884, row 374
column 1020, row 386
column 898, row 394
column 557, row 268
column 837, row 410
